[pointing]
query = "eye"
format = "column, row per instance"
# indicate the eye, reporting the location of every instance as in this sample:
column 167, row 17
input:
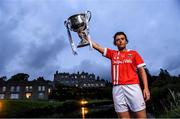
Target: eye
column 117, row 40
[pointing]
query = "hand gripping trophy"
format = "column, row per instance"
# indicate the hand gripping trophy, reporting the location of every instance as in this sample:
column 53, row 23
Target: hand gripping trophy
column 76, row 23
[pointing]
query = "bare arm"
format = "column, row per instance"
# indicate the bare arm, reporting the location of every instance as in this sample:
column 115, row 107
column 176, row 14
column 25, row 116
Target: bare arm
column 94, row 44
column 143, row 76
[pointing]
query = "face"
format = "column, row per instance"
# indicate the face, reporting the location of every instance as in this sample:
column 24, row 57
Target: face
column 120, row 41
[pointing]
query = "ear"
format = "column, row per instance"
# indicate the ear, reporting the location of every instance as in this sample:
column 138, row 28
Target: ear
column 126, row 42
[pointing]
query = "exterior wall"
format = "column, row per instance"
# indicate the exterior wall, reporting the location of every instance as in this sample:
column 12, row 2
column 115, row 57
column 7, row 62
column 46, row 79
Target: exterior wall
column 83, row 80
column 35, row 90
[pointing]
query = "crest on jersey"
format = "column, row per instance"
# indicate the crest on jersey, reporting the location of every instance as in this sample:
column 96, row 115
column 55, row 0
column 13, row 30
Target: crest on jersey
column 129, row 55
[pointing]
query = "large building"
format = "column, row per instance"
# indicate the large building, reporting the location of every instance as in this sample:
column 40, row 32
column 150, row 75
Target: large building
column 81, row 80
column 29, row 90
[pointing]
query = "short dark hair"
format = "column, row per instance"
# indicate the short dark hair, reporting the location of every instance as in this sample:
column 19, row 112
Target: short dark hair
column 119, row 33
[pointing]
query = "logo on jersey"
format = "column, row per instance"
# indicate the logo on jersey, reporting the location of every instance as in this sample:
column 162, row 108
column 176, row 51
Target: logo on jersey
column 129, row 56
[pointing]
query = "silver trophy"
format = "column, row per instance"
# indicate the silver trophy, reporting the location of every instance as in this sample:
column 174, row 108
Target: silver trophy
column 76, row 23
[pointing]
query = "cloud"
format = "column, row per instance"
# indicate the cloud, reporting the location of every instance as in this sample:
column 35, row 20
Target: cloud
column 34, row 39
column 31, row 40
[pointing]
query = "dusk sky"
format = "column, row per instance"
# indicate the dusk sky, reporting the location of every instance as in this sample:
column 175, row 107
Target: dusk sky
column 34, row 39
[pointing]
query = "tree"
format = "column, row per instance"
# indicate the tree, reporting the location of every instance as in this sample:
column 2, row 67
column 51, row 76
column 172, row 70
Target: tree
column 20, row 77
column 164, row 74
column 41, row 78
column 3, row 78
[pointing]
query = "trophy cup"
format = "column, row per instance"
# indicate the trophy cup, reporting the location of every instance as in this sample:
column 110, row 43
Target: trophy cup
column 76, row 23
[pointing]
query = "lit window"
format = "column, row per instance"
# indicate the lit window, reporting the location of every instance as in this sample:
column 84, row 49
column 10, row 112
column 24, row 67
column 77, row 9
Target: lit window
column 41, row 95
column 43, row 88
column 4, row 88
column 12, row 88
column 28, row 95
column 49, row 90
column 39, row 88
column 18, row 88
column 14, row 96
column 2, row 96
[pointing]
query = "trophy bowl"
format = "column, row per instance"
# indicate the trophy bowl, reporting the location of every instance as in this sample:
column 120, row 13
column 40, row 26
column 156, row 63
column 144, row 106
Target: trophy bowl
column 77, row 22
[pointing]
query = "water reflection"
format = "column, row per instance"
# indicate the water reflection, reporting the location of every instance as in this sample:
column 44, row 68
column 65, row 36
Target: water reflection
column 1, row 106
column 84, row 111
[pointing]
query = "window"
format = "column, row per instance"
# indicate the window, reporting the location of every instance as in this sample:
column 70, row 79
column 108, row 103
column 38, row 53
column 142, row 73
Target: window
column 102, row 84
column 14, row 96
column 41, row 95
column 28, row 88
column 49, row 90
column 17, row 88
column 12, row 88
column 41, row 88
column 2, row 96
column 28, row 95
column 3, row 88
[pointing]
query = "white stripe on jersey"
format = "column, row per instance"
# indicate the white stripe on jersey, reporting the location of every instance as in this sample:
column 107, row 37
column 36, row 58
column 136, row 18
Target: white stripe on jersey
column 105, row 52
column 117, row 78
column 114, row 74
column 141, row 65
column 117, row 70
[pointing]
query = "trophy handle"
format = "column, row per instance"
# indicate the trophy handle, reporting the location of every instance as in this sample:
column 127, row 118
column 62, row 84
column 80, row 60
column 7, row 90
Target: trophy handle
column 66, row 23
column 73, row 47
column 88, row 15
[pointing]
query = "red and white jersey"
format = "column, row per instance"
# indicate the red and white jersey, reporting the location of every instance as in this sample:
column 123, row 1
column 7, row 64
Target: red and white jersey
column 124, row 66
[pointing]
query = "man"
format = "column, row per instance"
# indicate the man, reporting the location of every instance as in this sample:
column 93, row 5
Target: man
column 127, row 94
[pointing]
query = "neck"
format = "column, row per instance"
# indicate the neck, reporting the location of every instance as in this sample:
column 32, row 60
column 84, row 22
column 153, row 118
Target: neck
column 122, row 49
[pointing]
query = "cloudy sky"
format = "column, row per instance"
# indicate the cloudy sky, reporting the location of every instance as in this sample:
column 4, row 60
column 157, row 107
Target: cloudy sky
column 34, row 39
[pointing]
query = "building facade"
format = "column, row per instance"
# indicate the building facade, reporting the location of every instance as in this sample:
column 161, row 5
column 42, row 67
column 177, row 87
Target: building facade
column 28, row 90
column 81, row 80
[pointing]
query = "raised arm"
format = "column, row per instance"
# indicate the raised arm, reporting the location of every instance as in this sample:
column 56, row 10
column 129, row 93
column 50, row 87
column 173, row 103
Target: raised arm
column 94, row 44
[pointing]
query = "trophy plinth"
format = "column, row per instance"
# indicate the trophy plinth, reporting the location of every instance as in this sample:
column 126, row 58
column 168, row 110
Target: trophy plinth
column 76, row 23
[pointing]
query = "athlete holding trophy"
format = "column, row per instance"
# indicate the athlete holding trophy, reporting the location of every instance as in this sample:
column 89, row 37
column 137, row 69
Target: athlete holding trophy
column 127, row 94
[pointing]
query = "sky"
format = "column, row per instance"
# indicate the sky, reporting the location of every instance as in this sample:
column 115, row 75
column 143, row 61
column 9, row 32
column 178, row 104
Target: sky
column 34, row 39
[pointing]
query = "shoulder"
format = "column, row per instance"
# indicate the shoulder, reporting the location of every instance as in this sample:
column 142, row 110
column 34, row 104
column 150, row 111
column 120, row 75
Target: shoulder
column 132, row 51
column 111, row 50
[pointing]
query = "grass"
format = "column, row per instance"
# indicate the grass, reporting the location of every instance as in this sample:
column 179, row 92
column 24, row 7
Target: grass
column 12, row 108
column 43, row 109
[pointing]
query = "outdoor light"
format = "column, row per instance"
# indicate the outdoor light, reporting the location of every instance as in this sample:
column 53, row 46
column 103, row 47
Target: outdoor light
column 83, row 102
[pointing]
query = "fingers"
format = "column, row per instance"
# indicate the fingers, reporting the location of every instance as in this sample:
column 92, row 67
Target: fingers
column 146, row 95
column 83, row 35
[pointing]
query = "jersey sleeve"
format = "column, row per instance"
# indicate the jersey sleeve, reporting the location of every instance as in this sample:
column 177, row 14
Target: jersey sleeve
column 138, row 60
column 107, row 53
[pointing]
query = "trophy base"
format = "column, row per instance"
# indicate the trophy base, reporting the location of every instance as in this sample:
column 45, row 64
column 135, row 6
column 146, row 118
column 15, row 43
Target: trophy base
column 82, row 45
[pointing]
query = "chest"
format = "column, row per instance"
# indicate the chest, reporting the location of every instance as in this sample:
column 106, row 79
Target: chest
column 122, row 58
